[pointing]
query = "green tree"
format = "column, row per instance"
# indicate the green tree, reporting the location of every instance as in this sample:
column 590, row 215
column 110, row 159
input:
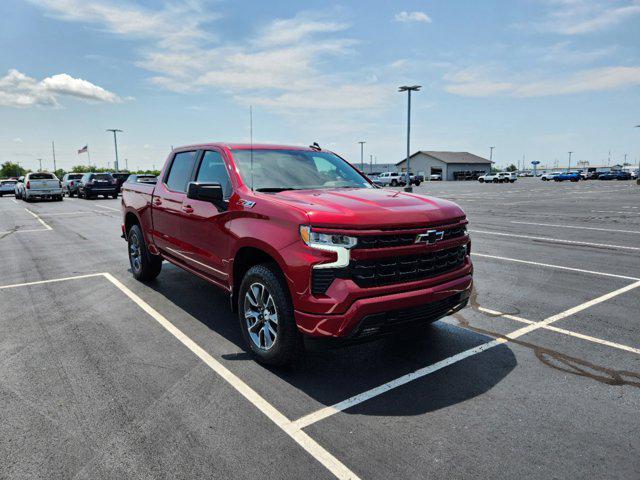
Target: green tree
column 10, row 169
column 59, row 173
column 512, row 168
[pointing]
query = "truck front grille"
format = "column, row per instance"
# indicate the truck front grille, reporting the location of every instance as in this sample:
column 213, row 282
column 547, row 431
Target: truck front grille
column 401, row 240
column 390, row 270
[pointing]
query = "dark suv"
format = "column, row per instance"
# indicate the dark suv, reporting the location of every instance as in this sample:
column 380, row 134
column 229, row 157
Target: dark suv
column 91, row 185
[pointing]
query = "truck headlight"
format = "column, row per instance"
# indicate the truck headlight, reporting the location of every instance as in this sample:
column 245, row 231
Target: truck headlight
column 319, row 240
column 339, row 244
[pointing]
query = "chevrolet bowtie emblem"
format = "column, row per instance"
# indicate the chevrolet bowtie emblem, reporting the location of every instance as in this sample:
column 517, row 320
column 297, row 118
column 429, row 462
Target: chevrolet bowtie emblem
column 431, row 236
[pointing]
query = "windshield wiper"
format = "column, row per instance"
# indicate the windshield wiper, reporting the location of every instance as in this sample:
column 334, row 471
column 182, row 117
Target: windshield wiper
column 275, row 189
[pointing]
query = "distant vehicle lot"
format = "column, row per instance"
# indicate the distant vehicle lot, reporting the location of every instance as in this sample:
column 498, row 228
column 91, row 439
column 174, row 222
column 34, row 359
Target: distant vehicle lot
column 130, row 380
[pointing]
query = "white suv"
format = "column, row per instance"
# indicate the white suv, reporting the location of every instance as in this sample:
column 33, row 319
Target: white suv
column 500, row 177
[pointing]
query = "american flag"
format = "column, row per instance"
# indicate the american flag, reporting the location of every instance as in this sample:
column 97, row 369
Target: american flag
column 83, row 149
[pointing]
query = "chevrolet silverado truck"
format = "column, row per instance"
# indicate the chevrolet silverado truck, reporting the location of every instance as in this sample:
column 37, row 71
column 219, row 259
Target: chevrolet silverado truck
column 302, row 242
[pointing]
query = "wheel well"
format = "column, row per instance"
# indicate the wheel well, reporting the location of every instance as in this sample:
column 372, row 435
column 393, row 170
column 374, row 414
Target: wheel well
column 129, row 221
column 246, row 258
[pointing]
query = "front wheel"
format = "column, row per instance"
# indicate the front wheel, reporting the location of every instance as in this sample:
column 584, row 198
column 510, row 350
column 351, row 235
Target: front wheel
column 394, row 183
column 144, row 265
column 481, row 180
column 266, row 316
column 417, row 183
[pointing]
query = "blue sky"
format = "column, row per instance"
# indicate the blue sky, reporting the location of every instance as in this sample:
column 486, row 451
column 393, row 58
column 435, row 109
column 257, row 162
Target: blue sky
column 530, row 77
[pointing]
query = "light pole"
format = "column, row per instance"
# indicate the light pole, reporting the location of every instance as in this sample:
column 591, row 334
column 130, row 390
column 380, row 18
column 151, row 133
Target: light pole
column 569, row 169
column 40, row 162
column 115, row 143
column 362, row 155
column 491, row 156
column 408, row 89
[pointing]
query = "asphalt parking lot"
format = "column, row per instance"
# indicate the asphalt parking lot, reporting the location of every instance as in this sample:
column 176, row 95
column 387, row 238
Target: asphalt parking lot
column 105, row 377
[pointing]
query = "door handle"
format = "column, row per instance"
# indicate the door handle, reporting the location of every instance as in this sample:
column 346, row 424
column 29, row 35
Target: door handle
column 157, row 201
column 187, row 208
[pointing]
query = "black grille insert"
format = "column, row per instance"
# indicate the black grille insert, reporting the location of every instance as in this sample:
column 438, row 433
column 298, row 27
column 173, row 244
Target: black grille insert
column 406, row 268
column 401, row 240
column 390, row 270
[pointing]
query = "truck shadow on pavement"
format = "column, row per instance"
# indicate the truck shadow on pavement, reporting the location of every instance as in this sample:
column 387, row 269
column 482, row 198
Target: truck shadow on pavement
column 330, row 375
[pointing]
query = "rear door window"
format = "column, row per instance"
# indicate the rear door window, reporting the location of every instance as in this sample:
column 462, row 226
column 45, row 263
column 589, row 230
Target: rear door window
column 180, row 173
column 40, row 176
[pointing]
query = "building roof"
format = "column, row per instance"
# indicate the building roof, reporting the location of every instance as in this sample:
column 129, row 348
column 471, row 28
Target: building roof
column 451, row 157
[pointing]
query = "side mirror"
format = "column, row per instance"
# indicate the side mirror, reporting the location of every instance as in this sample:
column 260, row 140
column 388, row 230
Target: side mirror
column 207, row 192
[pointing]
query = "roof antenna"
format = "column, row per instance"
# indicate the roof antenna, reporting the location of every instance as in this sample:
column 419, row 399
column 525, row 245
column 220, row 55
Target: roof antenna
column 251, row 140
column 315, row 146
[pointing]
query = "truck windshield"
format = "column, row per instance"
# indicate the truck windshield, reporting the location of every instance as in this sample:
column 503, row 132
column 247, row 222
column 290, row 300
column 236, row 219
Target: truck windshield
column 277, row 170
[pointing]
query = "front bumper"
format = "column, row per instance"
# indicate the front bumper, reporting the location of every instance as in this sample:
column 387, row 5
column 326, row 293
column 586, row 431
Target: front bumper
column 382, row 314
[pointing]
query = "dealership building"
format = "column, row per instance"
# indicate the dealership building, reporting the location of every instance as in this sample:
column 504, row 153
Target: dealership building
column 451, row 165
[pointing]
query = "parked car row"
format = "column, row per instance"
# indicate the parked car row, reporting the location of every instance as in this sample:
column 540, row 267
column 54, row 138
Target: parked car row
column 43, row 185
column 394, row 179
column 577, row 175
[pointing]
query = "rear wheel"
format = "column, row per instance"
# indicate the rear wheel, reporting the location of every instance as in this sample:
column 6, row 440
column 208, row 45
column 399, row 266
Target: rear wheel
column 394, row 183
column 144, row 265
column 266, row 316
column 495, row 180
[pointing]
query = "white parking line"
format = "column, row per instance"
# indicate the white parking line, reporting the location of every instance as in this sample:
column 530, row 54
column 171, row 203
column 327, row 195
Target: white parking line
column 330, row 462
column 409, row 377
column 575, row 227
column 556, row 240
column 570, row 333
column 44, row 224
column 559, row 267
column 108, row 208
column 571, row 311
column 40, row 282
column 362, row 397
column 614, row 211
column 69, row 213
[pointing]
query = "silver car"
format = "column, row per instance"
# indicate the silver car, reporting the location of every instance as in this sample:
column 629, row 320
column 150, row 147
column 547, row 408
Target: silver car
column 7, row 187
column 40, row 185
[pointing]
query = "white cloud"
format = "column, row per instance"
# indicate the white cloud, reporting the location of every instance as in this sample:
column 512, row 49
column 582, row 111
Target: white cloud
column 406, row 17
column 20, row 90
column 476, row 83
column 576, row 17
column 282, row 62
column 17, row 140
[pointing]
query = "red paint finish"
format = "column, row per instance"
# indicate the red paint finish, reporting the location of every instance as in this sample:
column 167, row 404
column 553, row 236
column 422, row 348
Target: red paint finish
column 206, row 240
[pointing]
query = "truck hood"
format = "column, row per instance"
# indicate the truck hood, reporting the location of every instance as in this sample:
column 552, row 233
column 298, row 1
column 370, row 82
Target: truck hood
column 370, row 208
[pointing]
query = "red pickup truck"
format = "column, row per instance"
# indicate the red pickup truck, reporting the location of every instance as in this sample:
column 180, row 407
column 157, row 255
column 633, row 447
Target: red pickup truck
column 305, row 245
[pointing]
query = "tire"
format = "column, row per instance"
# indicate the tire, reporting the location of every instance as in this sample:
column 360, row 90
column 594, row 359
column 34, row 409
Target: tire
column 512, row 181
column 544, row 179
column 115, row 196
column 481, row 180
column 417, row 183
column 144, row 266
column 495, row 180
column 394, row 183
column 264, row 289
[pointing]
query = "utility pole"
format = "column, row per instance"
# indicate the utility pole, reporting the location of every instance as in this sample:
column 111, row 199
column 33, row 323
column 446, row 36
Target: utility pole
column 408, row 89
column 115, row 143
column 126, row 163
column 53, row 150
column 491, row 154
column 362, row 155
column 625, row 160
column 568, row 169
column 40, row 162
column 609, row 159
column 370, row 164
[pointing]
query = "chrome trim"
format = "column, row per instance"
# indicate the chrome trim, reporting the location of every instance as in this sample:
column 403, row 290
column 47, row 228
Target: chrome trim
column 343, row 256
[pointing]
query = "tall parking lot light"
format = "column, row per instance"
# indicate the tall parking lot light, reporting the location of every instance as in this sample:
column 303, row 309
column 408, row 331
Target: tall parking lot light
column 362, row 155
column 115, row 142
column 569, row 168
column 408, row 89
